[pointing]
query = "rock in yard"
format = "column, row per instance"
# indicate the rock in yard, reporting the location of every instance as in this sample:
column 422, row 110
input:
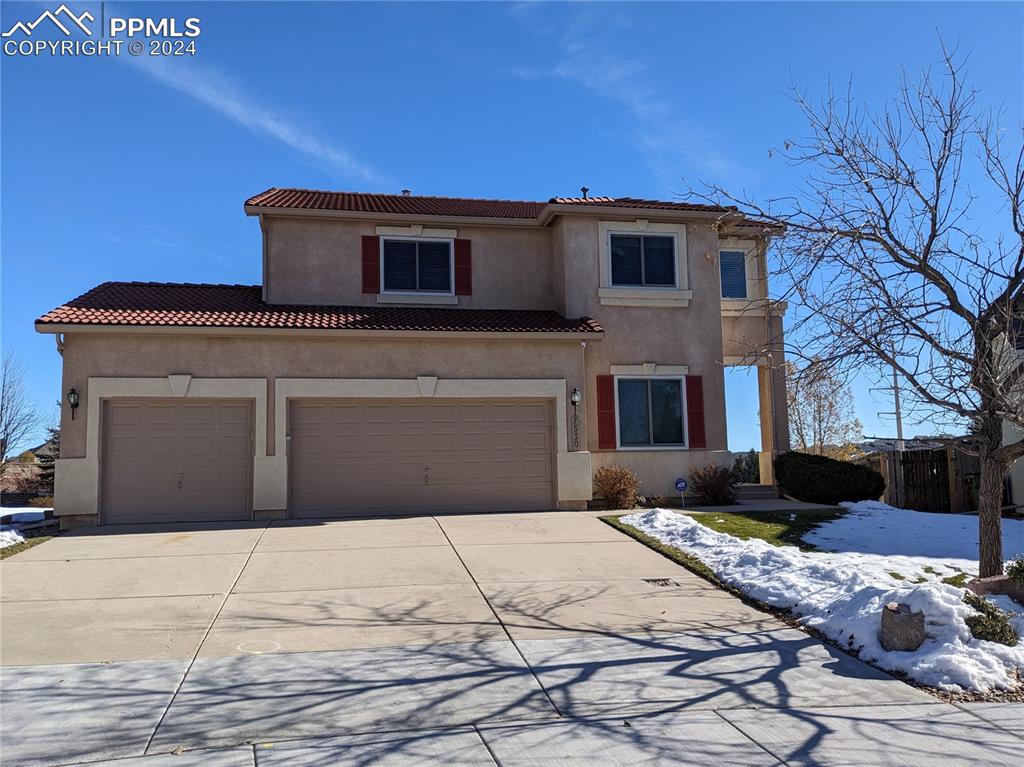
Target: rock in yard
column 901, row 629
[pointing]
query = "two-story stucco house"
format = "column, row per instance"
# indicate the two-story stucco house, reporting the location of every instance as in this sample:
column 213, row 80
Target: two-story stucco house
column 418, row 354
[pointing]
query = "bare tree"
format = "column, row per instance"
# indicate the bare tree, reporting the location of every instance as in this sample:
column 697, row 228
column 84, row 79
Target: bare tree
column 18, row 417
column 880, row 249
column 821, row 418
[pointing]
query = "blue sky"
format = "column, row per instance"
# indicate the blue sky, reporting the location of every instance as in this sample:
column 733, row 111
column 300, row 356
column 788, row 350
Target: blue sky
column 136, row 169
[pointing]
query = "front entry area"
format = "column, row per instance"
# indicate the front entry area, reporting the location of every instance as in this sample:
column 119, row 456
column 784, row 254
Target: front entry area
column 350, row 457
column 176, row 461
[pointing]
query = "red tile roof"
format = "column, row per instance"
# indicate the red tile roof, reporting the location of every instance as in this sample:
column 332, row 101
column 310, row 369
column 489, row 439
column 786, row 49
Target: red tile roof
column 311, row 199
column 156, row 304
column 633, row 202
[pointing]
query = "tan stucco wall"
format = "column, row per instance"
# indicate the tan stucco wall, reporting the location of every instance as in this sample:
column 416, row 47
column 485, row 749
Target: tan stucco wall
column 690, row 336
column 319, row 261
column 111, row 355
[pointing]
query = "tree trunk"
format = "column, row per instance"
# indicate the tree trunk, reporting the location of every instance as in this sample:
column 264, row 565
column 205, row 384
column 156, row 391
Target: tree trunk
column 990, row 501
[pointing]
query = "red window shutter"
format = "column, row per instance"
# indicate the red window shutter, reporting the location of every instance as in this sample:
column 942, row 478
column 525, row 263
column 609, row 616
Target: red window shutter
column 371, row 263
column 606, row 437
column 695, row 412
column 463, row 268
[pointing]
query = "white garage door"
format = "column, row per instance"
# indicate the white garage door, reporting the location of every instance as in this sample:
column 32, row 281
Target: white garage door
column 406, row 457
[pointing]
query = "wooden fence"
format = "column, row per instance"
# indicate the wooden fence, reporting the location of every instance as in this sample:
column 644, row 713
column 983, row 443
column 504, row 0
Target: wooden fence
column 941, row 480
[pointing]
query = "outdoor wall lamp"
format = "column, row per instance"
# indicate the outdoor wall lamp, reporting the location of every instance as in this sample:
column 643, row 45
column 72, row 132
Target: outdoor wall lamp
column 575, row 397
column 73, row 401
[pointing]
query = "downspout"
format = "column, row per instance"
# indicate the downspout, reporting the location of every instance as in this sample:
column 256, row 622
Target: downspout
column 582, row 427
column 59, row 338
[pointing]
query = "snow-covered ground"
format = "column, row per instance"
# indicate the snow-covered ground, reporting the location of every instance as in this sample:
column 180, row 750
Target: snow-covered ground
column 877, row 555
column 18, row 515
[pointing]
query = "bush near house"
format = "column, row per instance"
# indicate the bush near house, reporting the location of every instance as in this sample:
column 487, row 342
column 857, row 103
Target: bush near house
column 619, row 486
column 714, row 485
column 818, row 479
column 1016, row 569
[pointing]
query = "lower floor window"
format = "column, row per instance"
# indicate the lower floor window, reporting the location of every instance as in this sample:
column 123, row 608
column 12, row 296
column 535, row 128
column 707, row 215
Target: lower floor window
column 650, row 411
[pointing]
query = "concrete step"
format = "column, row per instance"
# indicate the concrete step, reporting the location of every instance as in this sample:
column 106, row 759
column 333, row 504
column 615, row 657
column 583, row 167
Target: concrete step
column 757, row 492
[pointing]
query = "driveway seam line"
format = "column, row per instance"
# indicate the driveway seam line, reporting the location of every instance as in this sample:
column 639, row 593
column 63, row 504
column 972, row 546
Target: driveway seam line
column 206, row 634
column 498, row 618
column 487, row 746
column 764, row 748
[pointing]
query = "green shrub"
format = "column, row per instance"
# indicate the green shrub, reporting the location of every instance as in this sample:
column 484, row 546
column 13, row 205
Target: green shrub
column 618, row 486
column 714, row 485
column 817, row 479
column 989, row 622
column 1016, row 569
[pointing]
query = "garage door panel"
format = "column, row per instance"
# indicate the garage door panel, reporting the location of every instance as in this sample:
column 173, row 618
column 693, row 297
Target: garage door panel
column 176, row 461
column 411, row 457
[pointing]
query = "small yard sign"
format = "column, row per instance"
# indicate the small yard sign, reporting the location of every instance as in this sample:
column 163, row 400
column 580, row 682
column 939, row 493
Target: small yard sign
column 681, row 487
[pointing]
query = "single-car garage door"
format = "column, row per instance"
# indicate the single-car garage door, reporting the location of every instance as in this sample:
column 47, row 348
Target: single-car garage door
column 174, row 461
column 349, row 457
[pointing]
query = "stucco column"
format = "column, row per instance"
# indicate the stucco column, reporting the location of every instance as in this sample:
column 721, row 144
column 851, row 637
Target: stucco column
column 766, row 412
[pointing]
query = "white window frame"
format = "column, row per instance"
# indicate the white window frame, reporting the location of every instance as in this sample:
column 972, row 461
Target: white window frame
column 746, row 273
column 751, row 250
column 451, row 266
column 685, row 445
column 675, row 260
column 643, row 295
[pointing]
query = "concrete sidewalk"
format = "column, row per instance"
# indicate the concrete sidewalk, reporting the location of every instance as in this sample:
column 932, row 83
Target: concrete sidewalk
column 518, row 638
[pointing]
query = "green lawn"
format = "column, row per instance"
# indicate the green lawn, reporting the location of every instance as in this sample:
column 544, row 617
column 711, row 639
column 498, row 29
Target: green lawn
column 779, row 528
column 28, row 543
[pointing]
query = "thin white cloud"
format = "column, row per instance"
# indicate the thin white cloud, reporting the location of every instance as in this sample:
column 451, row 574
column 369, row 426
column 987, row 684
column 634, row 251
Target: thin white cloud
column 225, row 96
column 588, row 49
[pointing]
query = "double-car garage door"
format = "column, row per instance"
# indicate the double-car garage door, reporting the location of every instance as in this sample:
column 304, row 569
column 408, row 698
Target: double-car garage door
column 409, row 457
column 174, row 461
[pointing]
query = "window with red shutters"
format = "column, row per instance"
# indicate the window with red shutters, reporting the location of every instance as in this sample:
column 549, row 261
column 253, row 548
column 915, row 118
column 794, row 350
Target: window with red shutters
column 695, row 412
column 371, row 263
column 463, row 268
column 606, row 437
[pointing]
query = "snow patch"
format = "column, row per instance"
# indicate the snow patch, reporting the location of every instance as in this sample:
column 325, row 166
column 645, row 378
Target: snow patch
column 842, row 594
column 10, row 537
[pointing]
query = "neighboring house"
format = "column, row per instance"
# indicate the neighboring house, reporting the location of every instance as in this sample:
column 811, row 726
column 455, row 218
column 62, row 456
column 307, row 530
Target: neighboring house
column 417, row 354
column 23, row 474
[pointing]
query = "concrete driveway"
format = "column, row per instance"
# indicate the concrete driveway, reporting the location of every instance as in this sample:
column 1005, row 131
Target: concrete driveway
column 515, row 639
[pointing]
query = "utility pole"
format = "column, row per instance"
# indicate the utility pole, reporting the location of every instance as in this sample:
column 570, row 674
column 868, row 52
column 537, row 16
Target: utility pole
column 894, row 473
column 900, row 444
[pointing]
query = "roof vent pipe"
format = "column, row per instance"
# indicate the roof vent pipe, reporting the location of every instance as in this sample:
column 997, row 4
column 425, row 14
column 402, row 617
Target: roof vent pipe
column 406, row 192
column 585, row 190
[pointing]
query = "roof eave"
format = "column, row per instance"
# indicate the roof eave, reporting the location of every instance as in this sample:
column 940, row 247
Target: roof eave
column 509, row 335
column 609, row 211
column 358, row 215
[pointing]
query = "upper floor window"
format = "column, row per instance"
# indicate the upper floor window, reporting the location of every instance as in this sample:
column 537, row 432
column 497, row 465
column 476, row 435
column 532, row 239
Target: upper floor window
column 416, row 266
column 643, row 260
column 650, row 412
column 733, row 266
